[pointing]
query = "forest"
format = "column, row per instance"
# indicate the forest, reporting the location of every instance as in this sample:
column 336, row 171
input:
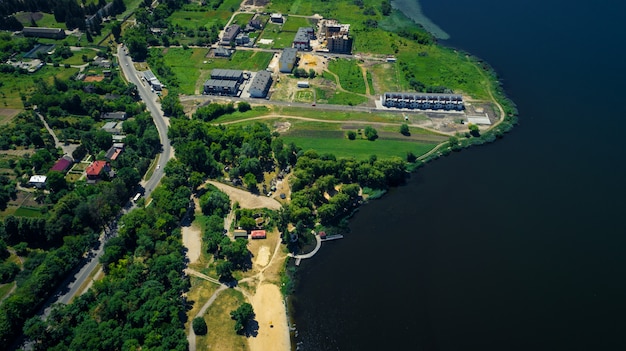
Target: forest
column 72, row 214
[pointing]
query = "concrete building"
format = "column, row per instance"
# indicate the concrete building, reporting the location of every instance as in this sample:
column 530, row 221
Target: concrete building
column 240, row 233
column 222, row 52
column 303, row 37
column 261, row 84
column 227, row 74
column 242, row 39
column 337, row 36
column 113, row 127
column 287, row 60
column 38, row 181
column 423, row 101
column 41, row 32
column 276, row 18
column 230, row 33
column 119, row 115
column 149, row 77
column 254, row 24
column 221, row 87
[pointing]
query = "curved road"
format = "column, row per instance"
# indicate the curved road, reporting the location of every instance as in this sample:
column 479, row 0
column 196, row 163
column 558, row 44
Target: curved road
column 127, row 68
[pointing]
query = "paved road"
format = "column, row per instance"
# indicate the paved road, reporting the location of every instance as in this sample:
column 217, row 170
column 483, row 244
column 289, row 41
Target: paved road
column 74, row 286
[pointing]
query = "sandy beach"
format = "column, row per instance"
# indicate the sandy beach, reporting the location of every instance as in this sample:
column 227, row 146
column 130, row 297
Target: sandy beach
column 272, row 318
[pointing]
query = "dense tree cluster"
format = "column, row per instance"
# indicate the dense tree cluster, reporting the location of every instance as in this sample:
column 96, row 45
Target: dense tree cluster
column 207, row 149
column 72, row 213
column 139, row 303
column 317, row 175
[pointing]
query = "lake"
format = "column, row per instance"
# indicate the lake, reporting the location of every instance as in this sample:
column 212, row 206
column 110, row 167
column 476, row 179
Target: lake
column 517, row 245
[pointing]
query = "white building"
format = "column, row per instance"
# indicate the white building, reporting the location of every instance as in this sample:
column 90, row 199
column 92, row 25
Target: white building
column 38, row 181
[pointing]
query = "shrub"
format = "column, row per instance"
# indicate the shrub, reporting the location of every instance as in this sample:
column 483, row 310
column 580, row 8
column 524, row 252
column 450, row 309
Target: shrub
column 199, row 326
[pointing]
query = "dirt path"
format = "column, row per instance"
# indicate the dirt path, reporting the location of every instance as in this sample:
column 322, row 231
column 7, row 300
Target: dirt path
column 191, row 336
column 502, row 114
column 67, row 150
column 247, row 199
column 308, row 119
column 367, row 86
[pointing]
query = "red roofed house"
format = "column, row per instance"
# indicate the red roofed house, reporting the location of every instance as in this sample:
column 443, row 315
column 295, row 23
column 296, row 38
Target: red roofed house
column 258, row 234
column 62, row 164
column 95, row 169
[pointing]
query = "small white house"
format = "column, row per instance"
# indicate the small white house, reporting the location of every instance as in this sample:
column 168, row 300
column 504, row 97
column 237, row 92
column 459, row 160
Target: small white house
column 303, row 84
column 38, row 181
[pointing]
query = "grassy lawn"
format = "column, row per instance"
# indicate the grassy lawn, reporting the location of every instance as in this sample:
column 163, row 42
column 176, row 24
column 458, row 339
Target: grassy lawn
column 221, row 335
column 28, row 212
column 77, row 58
column 386, row 77
column 349, row 73
column 343, row 98
column 292, row 24
column 5, row 288
column 281, row 38
column 305, row 95
column 16, row 84
column 191, row 71
column 370, row 83
column 242, row 19
column 335, row 142
column 42, row 19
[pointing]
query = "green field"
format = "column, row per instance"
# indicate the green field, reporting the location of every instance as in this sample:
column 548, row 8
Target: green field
column 336, row 143
column 387, row 77
column 304, row 95
column 191, row 71
column 15, row 84
column 343, row 98
column 349, row 73
column 28, row 212
column 193, row 15
column 242, row 19
column 281, row 38
column 292, row 24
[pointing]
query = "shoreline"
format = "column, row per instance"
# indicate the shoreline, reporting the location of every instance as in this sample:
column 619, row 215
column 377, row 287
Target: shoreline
column 413, row 11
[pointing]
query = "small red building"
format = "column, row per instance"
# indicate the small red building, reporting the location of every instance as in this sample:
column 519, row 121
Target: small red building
column 322, row 235
column 258, row 234
column 95, row 169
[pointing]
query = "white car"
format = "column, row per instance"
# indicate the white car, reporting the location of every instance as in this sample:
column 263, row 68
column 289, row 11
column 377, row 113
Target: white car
column 158, row 166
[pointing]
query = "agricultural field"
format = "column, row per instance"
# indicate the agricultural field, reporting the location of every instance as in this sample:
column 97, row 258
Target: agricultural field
column 194, row 15
column 192, row 67
column 242, row 19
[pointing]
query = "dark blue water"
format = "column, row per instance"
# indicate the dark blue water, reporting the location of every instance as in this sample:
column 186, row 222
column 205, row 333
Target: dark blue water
column 519, row 245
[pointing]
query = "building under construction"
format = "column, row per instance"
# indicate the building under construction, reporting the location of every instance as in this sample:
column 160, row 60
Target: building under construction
column 337, row 36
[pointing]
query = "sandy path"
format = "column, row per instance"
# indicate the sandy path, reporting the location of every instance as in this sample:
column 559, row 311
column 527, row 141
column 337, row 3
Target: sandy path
column 192, row 240
column 272, row 318
column 247, row 199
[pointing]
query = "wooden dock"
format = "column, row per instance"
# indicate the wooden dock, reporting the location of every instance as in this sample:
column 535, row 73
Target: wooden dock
column 333, row 237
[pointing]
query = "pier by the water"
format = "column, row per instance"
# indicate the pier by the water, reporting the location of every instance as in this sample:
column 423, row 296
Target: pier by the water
column 318, row 245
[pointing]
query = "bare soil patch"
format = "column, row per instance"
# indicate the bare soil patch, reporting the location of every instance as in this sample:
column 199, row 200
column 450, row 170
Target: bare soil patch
column 94, row 78
column 247, row 199
column 7, row 114
column 192, row 239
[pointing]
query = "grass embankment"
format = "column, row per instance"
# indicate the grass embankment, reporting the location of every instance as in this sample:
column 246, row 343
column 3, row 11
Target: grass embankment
column 191, row 70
